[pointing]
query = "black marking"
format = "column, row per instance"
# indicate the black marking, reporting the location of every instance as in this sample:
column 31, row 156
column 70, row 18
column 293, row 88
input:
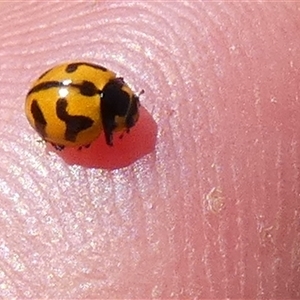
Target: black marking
column 45, row 86
column 70, row 68
column 74, row 124
column 116, row 102
column 40, row 122
column 87, row 88
column 73, row 67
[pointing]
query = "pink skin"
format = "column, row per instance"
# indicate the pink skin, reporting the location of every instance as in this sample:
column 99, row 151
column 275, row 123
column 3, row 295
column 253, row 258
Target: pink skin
column 213, row 211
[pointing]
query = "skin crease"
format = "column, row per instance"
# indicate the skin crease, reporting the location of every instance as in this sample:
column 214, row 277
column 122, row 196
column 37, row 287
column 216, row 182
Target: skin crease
column 213, row 212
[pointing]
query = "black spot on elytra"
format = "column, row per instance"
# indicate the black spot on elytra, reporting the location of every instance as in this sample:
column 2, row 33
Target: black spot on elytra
column 74, row 124
column 45, row 86
column 86, row 88
column 116, row 102
column 73, row 67
column 40, row 122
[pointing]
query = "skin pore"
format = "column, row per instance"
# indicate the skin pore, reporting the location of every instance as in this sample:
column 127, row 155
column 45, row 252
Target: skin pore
column 213, row 210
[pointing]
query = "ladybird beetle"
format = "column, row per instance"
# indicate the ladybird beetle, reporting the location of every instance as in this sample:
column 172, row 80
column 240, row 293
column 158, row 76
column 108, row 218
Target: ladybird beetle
column 72, row 103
